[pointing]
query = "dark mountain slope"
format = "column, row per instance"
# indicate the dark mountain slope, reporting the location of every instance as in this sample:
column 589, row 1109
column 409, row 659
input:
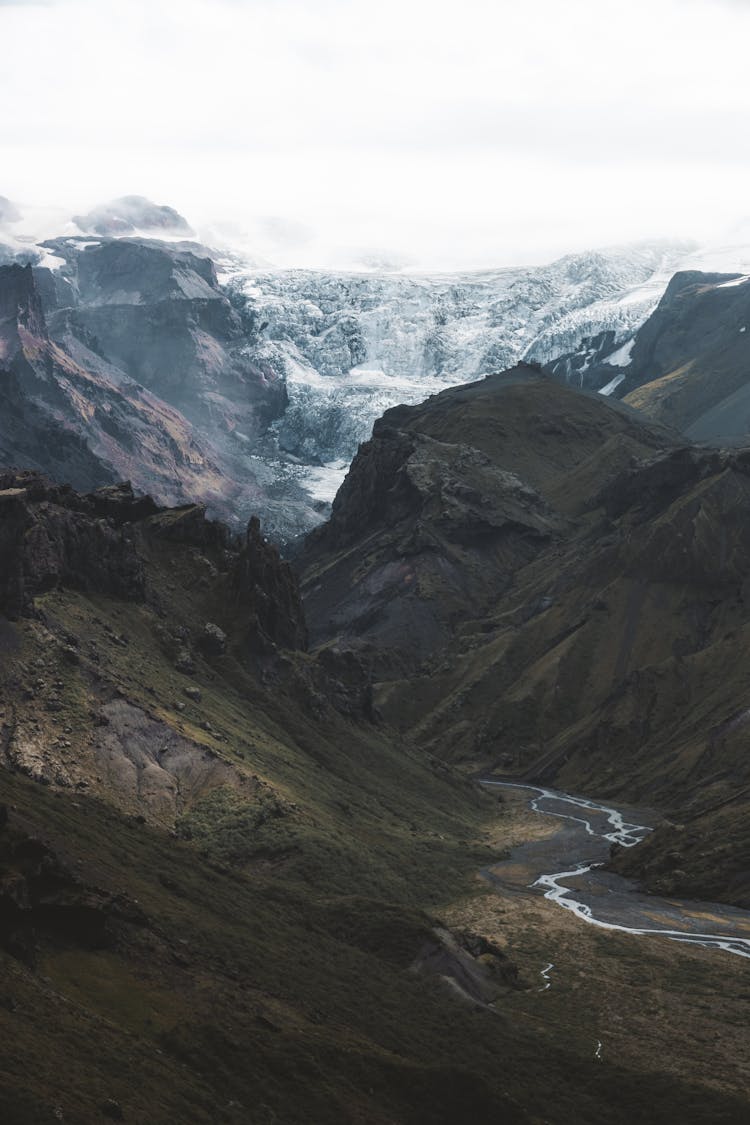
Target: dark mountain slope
column 156, row 311
column 594, row 637
column 216, row 875
column 158, row 745
column 691, row 360
column 688, row 366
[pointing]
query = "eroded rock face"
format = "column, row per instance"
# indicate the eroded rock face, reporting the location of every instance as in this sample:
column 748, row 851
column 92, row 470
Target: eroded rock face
column 20, row 310
column 445, row 505
column 155, row 310
column 447, row 527
column 70, row 412
column 152, row 769
column 50, row 536
column 687, row 366
column 129, row 360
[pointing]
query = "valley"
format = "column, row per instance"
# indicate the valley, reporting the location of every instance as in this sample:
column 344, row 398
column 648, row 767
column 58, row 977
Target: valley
column 623, row 1000
column 594, row 895
column 444, row 816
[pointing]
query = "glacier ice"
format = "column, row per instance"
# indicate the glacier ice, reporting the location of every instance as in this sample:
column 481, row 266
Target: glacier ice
column 351, row 345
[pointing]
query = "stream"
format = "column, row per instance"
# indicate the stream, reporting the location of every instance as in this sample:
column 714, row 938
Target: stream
column 567, row 867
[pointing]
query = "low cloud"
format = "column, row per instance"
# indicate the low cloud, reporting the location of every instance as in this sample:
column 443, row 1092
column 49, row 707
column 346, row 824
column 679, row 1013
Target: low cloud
column 507, row 130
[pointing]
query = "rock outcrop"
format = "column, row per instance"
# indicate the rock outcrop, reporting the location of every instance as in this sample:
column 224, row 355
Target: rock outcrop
column 49, row 536
column 52, row 536
column 128, row 360
column 264, row 596
column 156, row 312
column 686, row 366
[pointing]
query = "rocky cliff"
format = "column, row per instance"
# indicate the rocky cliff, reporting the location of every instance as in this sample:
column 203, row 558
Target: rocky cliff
column 128, row 361
column 271, row 378
column 690, row 360
column 155, row 310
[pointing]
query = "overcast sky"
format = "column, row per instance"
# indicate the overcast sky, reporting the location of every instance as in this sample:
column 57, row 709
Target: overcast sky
column 469, row 133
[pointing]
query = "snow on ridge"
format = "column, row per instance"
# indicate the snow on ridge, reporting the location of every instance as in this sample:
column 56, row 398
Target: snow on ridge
column 736, row 281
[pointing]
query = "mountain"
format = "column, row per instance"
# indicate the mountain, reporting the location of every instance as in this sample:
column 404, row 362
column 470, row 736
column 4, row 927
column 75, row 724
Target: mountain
column 690, row 360
column 133, row 214
column 127, row 360
column 451, row 498
column 181, row 820
column 245, row 871
column 220, row 875
column 277, row 375
column 547, row 584
column 686, row 366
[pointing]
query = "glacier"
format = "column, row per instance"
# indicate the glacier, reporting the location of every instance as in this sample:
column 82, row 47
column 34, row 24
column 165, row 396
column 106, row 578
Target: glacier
column 351, row 345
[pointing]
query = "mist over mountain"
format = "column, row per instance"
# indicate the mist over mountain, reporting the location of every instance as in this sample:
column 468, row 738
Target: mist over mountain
column 326, row 352
column 131, row 214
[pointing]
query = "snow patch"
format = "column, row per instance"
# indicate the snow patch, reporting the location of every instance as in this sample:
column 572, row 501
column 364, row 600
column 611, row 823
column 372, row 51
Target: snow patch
column 50, row 261
column 612, row 385
column 324, row 482
column 622, row 357
column 736, row 281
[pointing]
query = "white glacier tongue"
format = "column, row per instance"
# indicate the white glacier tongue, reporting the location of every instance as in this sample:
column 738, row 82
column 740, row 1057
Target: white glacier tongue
column 354, row 344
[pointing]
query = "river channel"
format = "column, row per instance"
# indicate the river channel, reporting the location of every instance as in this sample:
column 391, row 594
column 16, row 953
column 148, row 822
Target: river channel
column 566, row 867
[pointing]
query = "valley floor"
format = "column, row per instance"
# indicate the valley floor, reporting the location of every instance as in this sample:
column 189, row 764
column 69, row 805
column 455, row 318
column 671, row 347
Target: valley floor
column 645, row 1003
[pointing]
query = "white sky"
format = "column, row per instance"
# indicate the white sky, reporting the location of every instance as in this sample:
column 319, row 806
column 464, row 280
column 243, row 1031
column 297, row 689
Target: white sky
column 469, row 133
